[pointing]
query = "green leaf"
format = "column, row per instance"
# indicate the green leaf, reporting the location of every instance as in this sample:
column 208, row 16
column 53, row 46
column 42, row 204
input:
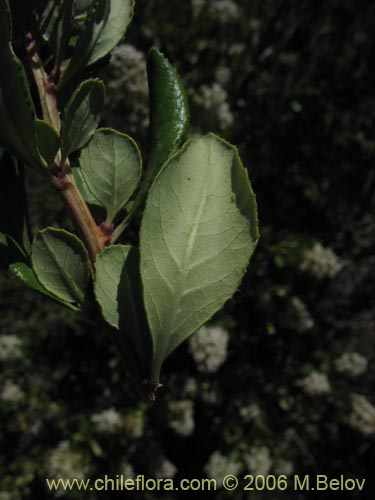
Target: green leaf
column 169, row 119
column 48, row 141
column 60, row 262
column 106, row 25
column 83, row 187
column 198, row 232
column 82, row 116
column 118, row 291
column 26, row 275
column 13, row 220
column 111, row 165
column 169, row 110
column 17, row 113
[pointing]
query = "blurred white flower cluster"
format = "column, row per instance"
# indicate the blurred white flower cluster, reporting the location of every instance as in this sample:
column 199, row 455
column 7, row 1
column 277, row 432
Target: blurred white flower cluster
column 181, row 414
column 283, row 467
column 250, row 412
column 164, row 468
column 134, row 423
column 321, row 262
column 352, row 363
column 223, row 11
column 5, row 495
column 208, row 346
column 64, row 463
column 222, row 75
column 127, row 470
column 107, row 421
column 259, row 461
column 10, row 347
column 316, row 384
column 128, row 89
column 362, row 417
column 11, row 392
column 219, row 466
column 297, row 316
column 215, row 102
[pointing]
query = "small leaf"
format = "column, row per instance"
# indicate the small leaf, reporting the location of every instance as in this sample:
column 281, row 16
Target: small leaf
column 83, row 187
column 118, row 291
column 17, row 113
column 48, row 141
column 169, row 110
column 60, row 262
column 198, row 232
column 82, row 116
column 13, row 220
column 169, row 118
column 26, row 275
column 111, row 165
column 106, row 25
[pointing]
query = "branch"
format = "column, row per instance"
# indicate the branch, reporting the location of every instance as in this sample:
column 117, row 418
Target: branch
column 95, row 238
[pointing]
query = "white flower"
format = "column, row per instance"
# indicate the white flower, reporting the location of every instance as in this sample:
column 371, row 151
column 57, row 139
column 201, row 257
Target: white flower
column 219, row 466
column 222, row 75
column 321, row 262
column 297, row 316
column 134, row 423
column 11, row 393
column 352, row 363
column 128, row 88
column 214, row 101
column 127, row 470
column 107, row 421
column 284, row 467
column 10, row 347
column 250, row 412
column 181, row 417
column 316, row 384
column 208, row 347
column 259, row 460
column 225, row 11
column 362, row 417
column 191, row 387
column 64, row 463
column 164, row 469
column 197, row 6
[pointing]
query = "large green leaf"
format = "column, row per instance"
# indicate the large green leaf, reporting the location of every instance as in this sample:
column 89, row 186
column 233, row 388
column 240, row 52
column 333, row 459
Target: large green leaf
column 169, row 110
column 60, row 262
column 118, row 291
column 106, row 25
column 199, row 230
column 82, row 116
column 111, row 165
column 13, row 209
column 26, row 275
column 17, row 113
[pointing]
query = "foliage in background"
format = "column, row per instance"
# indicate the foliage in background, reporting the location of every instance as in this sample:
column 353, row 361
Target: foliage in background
column 291, row 390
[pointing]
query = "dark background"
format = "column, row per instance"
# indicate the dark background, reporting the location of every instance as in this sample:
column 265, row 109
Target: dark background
column 295, row 93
